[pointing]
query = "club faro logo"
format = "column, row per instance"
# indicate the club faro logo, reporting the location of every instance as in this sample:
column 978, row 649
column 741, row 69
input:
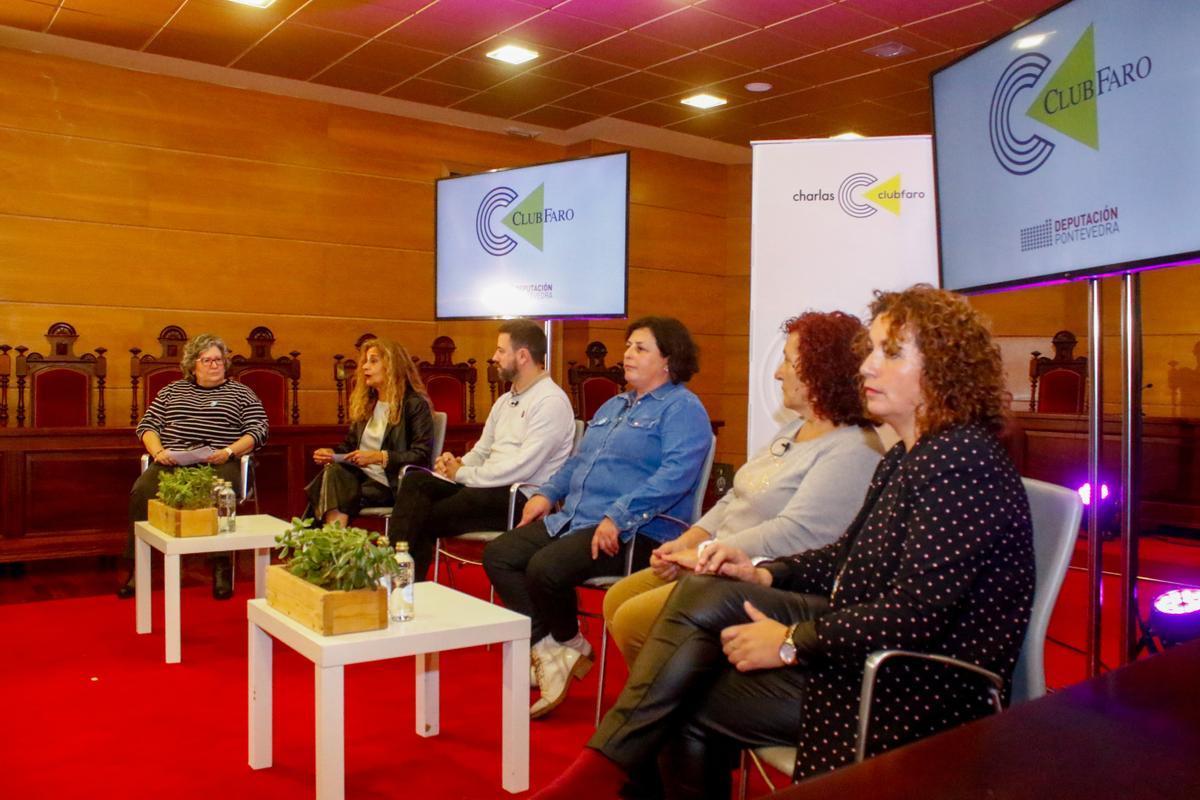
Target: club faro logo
column 1066, row 103
column 528, row 219
column 861, row 195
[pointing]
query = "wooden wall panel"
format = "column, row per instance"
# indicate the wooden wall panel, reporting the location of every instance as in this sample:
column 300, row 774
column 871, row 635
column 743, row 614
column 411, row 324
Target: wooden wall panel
column 134, row 201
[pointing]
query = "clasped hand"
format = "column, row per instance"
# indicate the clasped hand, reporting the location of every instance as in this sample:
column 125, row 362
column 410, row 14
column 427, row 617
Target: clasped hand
column 447, row 465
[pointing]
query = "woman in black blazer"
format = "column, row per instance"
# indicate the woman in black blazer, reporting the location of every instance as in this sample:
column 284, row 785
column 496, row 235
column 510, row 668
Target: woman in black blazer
column 391, row 425
column 939, row 559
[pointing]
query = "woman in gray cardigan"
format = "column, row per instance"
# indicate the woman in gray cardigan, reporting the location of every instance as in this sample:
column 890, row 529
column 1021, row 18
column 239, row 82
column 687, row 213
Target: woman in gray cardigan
column 798, row 493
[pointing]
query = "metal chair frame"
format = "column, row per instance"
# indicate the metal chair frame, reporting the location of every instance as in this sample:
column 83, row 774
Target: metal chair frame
column 1056, row 513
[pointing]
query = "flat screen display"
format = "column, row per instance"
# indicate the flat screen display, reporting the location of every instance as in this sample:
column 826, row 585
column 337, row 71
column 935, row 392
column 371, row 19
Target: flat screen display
column 1071, row 146
column 547, row 242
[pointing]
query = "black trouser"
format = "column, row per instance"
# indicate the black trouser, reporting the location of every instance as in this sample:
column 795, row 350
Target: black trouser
column 536, row 574
column 428, row 508
column 145, row 489
column 344, row 488
column 685, row 702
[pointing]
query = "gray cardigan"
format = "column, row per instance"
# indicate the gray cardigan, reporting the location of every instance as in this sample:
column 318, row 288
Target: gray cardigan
column 796, row 496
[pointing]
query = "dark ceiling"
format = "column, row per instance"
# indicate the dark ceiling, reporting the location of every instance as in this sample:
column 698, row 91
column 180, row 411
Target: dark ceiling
column 628, row 59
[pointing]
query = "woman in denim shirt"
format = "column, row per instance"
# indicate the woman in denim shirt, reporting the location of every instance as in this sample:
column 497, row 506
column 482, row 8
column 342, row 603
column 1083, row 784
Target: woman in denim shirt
column 641, row 456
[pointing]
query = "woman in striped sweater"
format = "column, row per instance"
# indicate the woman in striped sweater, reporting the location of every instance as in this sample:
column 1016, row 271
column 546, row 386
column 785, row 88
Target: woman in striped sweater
column 204, row 408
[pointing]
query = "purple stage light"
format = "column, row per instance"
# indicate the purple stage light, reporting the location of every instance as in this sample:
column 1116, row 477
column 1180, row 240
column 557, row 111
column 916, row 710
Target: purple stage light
column 1085, row 493
column 1175, row 616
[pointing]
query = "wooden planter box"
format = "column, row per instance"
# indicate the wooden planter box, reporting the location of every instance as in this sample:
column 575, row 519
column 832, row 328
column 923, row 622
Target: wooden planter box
column 326, row 612
column 178, row 522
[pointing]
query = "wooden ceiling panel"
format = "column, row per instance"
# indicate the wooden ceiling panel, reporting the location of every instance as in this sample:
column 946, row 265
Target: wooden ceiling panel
column 656, row 114
column 874, row 85
column 621, row 13
column 698, row 69
column 562, row 31
column 147, row 12
column 358, row 79
column 694, row 28
column 378, row 55
column 903, row 12
column 630, row 59
column 973, row 25
column 635, row 51
column 646, row 85
column 1024, row 9
column 555, row 117
column 297, row 51
column 452, row 25
column 359, row 19
column 821, row 68
column 830, row 26
column 760, row 50
column 600, row 102
column 581, row 69
column 206, row 48
column 914, row 102
column 857, row 51
column 762, row 12
column 477, row 74
column 430, row 92
column 102, row 30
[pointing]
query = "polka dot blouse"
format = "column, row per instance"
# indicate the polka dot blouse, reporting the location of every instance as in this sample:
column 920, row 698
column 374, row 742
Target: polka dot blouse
column 940, row 560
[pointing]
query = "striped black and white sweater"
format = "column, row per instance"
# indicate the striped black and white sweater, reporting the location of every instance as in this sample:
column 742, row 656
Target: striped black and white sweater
column 185, row 415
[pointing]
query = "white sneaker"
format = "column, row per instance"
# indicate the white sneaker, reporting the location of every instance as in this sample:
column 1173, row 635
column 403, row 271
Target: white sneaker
column 554, row 666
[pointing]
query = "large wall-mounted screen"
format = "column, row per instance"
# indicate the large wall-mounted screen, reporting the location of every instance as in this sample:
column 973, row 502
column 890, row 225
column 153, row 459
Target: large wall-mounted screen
column 548, row 241
column 1071, row 146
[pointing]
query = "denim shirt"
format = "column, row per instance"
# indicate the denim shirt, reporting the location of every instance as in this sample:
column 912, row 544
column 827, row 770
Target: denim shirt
column 638, row 458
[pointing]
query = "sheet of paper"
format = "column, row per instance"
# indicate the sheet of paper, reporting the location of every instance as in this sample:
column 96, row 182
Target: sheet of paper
column 187, row 458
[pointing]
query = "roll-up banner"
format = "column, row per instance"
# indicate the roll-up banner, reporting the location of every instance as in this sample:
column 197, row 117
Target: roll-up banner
column 832, row 220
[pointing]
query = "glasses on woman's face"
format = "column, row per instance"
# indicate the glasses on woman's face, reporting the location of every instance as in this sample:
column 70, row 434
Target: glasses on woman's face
column 211, row 362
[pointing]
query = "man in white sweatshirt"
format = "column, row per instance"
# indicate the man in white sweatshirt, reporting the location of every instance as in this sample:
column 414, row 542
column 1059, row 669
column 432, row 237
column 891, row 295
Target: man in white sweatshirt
column 527, row 437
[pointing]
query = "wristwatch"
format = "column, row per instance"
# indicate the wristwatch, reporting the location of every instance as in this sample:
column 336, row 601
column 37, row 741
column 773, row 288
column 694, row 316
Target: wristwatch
column 787, row 650
column 229, row 450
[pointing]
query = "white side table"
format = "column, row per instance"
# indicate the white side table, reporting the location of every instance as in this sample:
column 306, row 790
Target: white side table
column 255, row 532
column 446, row 620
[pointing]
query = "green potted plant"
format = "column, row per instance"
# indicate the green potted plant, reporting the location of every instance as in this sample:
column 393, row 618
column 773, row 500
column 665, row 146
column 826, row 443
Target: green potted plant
column 184, row 506
column 330, row 578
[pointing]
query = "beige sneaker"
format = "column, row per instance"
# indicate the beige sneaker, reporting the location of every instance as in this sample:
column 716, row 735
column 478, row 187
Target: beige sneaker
column 554, row 666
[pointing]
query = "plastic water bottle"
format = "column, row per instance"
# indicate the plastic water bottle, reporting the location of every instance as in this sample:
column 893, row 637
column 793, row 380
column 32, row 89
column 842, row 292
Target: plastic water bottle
column 400, row 600
column 226, row 508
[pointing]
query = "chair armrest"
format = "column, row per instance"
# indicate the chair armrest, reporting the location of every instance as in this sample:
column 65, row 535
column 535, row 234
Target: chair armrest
column 876, row 660
column 512, row 500
column 145, row 461
column 683, row 524
column 246, row 462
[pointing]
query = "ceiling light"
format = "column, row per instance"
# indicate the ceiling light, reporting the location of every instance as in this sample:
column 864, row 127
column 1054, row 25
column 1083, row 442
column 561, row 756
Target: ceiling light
column 254, row 3
column 1031, row 41
column 889, row 50
column 512, row 54
column 703, row 100
column 848, row 135
column 759, row 86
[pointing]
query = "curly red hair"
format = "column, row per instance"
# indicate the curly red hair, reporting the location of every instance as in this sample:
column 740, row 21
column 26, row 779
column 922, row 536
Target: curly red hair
column 830, row 352
column 962, row 380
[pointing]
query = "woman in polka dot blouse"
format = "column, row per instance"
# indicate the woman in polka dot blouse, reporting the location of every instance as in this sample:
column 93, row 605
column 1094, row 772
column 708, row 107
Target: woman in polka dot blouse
column 939, row 559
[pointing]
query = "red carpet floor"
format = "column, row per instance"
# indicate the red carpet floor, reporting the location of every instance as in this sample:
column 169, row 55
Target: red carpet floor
column 90, row 710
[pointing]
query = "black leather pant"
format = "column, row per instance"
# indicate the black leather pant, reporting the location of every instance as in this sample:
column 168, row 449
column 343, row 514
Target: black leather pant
column 687, row 706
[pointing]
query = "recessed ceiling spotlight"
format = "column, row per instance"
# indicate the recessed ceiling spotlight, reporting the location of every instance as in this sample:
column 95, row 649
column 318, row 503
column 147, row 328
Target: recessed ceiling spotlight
column 512, row 54
column 759, row 86
column 703, row 100
column 1031, row 41
column 848, row 135
column 253, row 3
column 889, row 50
